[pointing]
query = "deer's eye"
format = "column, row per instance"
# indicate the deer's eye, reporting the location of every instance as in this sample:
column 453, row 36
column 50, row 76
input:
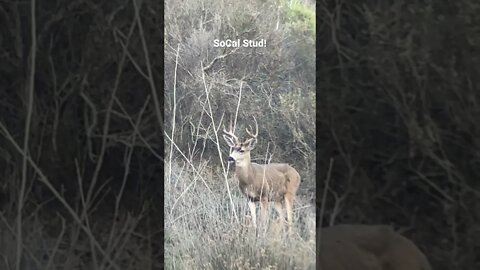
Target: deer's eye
column 241, row 150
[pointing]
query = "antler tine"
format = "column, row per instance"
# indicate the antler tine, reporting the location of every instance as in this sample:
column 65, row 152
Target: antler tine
column 230, row 132
column 256, row 129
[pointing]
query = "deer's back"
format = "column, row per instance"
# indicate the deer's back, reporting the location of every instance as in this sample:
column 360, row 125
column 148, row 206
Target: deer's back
column 280, row 173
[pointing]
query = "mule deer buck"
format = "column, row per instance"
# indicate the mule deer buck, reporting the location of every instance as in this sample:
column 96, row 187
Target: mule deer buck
column 277, row 182
column 368, row 247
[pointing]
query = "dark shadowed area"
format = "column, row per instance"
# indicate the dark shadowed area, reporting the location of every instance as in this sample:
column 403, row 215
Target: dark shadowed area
column 398, row 114
column 80, row 134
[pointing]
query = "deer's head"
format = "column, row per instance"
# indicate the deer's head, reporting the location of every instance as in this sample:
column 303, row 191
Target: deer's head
column 240, row 152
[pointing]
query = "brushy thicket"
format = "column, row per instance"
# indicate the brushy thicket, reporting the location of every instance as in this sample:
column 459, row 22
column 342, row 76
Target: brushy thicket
column 205, row 218
column 398, row 84
column 89, row 191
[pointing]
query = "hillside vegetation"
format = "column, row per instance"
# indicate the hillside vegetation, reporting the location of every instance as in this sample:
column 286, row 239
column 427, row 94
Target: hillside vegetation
column 206, row 222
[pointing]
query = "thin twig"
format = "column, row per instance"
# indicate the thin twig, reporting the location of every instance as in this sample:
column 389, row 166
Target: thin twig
column 324, row 199
column 31, row 88
column 148, row 66
column 170, row 156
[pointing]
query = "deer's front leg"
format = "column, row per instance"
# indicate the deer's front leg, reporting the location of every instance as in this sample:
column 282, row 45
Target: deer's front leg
column 253, row 210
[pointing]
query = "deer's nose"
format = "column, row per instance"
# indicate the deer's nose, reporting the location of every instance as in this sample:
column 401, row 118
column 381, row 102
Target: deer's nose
column 230, row 159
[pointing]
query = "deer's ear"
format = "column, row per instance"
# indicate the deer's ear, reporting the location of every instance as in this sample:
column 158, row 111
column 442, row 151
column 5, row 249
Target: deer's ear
column 251, row 144
column 229, row 140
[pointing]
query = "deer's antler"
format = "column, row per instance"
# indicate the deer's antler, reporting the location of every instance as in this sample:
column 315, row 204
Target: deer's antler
column 254, row 136
column 230, row 133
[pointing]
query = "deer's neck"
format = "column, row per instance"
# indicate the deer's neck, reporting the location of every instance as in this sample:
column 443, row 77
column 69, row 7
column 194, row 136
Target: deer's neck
column 244, row 172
